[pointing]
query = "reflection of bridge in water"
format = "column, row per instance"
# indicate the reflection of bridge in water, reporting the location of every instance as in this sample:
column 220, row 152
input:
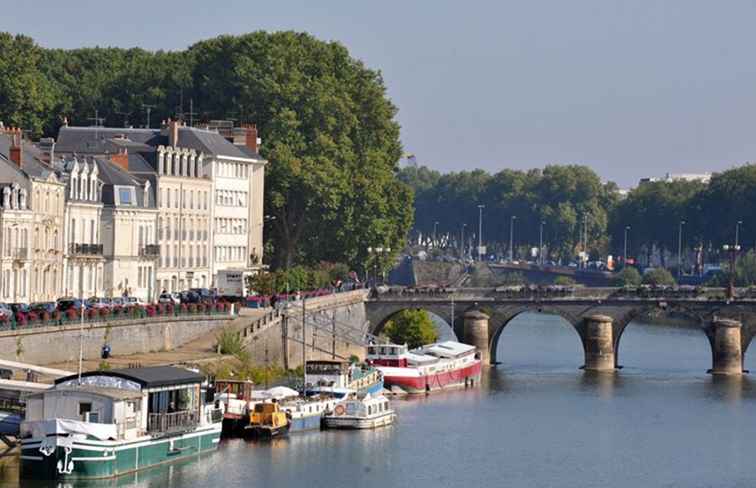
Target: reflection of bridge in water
column 599, row 315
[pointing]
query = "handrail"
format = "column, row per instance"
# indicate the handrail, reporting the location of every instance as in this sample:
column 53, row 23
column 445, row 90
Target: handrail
column 171, row 422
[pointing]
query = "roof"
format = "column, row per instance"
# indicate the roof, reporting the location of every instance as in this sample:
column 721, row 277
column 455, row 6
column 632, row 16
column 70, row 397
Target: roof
column 114, row 393
column 31, row 165
column 448, row 349
column 148, row 377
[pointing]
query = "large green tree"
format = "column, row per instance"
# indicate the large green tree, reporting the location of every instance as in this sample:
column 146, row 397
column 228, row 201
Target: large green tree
column 412, row 327
column 26, row 95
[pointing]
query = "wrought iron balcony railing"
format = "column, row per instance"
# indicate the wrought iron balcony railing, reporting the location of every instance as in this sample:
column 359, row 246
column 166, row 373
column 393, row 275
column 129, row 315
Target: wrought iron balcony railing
column 76, row 249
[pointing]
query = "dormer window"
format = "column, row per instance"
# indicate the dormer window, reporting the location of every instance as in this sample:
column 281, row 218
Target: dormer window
column 125, row 195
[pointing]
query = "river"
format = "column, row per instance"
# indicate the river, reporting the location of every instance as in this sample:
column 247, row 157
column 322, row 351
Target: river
column 537, row 421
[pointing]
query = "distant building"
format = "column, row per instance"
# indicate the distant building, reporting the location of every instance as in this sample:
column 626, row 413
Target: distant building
column 670, row 177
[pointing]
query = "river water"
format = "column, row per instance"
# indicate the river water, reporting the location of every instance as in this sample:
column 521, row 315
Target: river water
column 537, row 421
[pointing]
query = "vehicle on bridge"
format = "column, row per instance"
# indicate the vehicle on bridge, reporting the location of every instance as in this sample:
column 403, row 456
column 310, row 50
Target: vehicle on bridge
column 430, row 368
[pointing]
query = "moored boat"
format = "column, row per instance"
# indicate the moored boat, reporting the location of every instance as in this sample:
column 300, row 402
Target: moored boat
column 108, row 423
column 325, row 375
column 236, row 397
column 434, row 367
column 268, row 420
column 361, row 412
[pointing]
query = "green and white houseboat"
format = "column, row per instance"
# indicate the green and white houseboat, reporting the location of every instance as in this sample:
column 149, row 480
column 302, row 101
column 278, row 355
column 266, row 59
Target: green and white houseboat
column 108, row 423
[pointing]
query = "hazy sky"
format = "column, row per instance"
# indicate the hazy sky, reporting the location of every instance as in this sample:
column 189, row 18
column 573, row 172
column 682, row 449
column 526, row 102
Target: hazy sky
column 631, row 88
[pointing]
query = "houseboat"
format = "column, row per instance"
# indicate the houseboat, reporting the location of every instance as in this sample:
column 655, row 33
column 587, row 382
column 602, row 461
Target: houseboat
column 236, row 398
column 430, row 368
column 107, row 423
column 339, row 376
column 361, row 412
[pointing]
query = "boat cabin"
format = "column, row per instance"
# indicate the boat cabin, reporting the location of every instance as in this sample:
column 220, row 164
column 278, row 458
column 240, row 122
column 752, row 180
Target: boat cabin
column 393, row 355
column 124, row 403
column 328, row 373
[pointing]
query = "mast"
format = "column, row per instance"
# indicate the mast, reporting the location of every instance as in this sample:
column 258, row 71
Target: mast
column 81, row 339
column 304, row 345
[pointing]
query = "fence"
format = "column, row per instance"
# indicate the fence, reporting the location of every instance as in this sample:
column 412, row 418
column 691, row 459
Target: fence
column 72, row 317
column 171, row 422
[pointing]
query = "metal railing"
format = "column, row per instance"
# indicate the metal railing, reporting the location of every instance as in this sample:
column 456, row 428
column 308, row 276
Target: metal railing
column 76, row 249
column 150, row 250
column 172, row 422
column 20, row 253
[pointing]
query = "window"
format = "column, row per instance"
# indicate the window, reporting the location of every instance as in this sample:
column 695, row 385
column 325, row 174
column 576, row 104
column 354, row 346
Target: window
column 125, row 196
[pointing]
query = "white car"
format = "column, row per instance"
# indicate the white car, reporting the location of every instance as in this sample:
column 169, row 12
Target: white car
column 131, row 301
column 169, row 298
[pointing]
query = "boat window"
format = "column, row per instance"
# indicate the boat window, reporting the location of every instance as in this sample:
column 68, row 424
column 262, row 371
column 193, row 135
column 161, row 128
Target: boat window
column 84, row 409
column 370, row 410
column 385, row 404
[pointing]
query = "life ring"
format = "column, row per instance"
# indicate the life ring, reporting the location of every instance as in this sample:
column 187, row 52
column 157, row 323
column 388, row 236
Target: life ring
column 339, row 410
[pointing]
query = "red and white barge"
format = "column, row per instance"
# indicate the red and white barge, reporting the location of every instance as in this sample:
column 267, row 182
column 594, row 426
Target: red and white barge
column 430, row 368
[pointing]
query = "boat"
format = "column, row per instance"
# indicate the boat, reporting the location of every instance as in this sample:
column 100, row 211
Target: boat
column 307, row 413
column 430, row 368
column 326, row 376
column 102, row 424
column 10, row 423
column 361, row 412
column 236, row 399
column 268, row 420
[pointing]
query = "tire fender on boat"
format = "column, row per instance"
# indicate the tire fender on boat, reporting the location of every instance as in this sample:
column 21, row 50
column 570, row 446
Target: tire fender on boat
column 339, row 410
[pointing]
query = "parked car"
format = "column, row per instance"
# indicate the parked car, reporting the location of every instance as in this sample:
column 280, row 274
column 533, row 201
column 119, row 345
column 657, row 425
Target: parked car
column 98, row 302
column 117, row 302
column 41, row 307
column 19, row 307
column 169, row 298
column 64, row 304
column 5, row 310
column 205, row 295
column 189, row 297
column 133, row 301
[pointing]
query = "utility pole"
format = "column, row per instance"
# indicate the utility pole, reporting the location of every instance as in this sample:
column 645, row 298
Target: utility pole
column 304, row 345
column 462, row 242
column 540, row 244
column 737, row 232
column 624, row 255
column 511, row 237
column 679, row 249
column 435, row 226
column 480, row 232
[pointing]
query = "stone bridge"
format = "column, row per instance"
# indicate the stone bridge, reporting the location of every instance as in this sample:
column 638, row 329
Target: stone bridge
column 599, row 315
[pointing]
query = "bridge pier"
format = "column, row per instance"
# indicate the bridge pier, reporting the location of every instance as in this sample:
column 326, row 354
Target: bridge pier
column 727, row 354
column 598, row 343
column 476, row 334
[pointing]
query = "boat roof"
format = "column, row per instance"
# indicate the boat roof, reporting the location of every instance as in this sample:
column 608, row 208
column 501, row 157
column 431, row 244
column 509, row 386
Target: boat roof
column 112, row 393
column 447, row 349
column 147, row 377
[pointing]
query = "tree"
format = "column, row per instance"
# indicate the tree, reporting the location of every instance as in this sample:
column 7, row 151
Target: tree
column 564, row 281
column 26, row 96
column 659, row 277
column 629, row 276
column 412, row 327
column 745, row 269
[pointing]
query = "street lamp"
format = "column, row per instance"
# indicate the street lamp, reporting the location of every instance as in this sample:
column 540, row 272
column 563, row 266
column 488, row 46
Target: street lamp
column 679, row 249
column 540, row 244
column 376, row 253
column 624, row 255
column 480, row 232
column 511, row 237
column 435, row 226
column 733, row 250
column 462, row 242
column 737, row 232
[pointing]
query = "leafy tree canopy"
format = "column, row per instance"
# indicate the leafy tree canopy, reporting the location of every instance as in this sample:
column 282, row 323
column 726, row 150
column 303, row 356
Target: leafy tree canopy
column 412, row 327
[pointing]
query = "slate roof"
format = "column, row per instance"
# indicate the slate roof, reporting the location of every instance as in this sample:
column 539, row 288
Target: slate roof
column 148, row 377
column 111, row 174
column 31, row 164
column 104, row 140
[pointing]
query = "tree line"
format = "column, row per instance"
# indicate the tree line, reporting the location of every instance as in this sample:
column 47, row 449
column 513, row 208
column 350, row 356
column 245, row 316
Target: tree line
column 329, row 130
column 572, row 202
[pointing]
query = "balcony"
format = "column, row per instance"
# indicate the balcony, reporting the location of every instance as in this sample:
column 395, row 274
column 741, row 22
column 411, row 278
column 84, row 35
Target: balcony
column 20, row 253
column 166, row 423
column 75, row 249
column 150, row 251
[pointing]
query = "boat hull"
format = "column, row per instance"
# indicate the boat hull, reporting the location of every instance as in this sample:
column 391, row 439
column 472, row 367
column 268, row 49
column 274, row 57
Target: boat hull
column 305, row 423
column 460, row 378
column 66, row 458
column 354, row 423
column 266, row 432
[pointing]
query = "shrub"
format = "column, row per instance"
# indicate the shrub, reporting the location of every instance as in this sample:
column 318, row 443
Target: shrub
column 564, row 281
column 33, row 317
column 184, row 308
column 193, row 308
column 72, row 314
column 229, row 342
column 45, row 316
column 57, row 315
column 20, row 319
column 629, row 276
column 659, row 277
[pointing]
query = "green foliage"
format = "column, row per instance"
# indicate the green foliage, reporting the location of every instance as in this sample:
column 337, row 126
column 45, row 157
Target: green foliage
column 745, row 269
column 411, row 327
column 354, row 359
column 229, row 342
column 104, row 366
column 564, row 281
column 629, row 276
column 659, row 277
column 19, row 347
column 298, row 278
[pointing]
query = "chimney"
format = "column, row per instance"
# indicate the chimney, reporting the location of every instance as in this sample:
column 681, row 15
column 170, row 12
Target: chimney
column 121, row 158
column 15, row 145
column 251, row 137
column 47, row 146
column 173, row 132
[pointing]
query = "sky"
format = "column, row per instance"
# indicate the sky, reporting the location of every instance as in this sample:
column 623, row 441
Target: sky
column 631, row 88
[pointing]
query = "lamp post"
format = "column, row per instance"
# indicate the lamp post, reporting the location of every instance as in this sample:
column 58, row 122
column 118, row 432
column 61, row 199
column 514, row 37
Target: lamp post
column 511, row 237
column 679, row 249
column 375, row 254
column 462, row 242
column 435, row 226
column 737, row 232
column 624, row 254
column 480, row 232
column 540, row 244
column 733, row 250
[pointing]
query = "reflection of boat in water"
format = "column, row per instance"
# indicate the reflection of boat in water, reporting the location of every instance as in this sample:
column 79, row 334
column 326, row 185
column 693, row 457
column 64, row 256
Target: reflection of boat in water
column 268, row 420
column 112, row 422
column 366, row 412
column 429, row 368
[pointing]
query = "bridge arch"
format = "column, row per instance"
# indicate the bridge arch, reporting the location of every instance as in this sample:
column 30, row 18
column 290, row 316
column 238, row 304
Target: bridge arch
column 503, row 317
column 378, row 321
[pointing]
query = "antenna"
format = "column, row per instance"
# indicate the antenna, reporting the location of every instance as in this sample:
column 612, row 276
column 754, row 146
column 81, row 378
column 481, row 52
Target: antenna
column 149, row 110
column 191, row 113
column 97, row 119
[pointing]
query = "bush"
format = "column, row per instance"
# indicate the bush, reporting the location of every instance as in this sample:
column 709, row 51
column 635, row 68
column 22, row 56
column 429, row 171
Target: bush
column 512, row 279
column 72, row 314
column 412, row 327
column 229, row 342
column 629, row 276
column 659, row 277
column 564, row 281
